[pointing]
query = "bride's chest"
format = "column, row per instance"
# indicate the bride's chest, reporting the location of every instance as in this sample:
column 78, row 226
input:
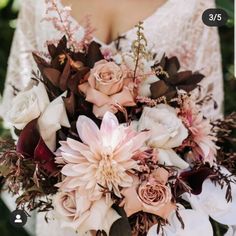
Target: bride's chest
column 164, row 29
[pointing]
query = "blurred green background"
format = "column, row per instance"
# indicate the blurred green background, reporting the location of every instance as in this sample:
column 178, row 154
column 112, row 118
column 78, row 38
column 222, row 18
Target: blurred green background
column 8, row 15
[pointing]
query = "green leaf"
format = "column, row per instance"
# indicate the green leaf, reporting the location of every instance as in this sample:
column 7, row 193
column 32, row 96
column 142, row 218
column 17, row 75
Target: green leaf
column 226, row 5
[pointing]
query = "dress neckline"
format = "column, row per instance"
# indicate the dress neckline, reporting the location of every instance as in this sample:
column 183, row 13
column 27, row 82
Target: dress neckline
column 145, row 21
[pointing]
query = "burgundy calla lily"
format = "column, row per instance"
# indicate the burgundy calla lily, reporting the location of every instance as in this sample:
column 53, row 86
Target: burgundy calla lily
column 31, row 145
column 195, row 178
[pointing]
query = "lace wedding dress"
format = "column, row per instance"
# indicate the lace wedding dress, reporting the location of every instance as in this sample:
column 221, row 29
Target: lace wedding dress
column 175, row 28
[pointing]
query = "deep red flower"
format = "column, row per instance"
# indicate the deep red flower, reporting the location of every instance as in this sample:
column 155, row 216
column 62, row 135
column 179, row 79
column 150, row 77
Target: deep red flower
column 32, row 146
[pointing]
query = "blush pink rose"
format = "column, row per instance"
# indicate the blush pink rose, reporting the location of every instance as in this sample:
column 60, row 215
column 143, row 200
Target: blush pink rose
column 108, row 77
column 107, row 86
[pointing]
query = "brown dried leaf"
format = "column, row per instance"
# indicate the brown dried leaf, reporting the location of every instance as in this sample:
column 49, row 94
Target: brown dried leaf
column 158, row 89
column 53, row 75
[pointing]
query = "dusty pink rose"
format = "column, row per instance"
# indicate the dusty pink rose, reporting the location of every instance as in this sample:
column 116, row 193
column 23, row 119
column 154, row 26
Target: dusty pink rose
column 107, row 86
column 152, row 196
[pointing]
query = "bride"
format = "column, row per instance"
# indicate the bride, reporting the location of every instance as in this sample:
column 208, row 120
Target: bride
column 173, row 27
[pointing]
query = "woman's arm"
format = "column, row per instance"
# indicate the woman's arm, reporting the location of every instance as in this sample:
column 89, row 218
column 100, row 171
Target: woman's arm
column 20, row 61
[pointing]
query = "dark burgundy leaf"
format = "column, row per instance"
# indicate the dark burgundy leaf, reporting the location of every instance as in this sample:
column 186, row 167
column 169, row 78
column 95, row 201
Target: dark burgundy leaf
column 70, row 104
column 41, row 63
column 187, row 88
column 163, row 61
column 94, row 54
column 52, row 50
column 65, row 76
column 173, row 80
column 172, row 66
column 194, row 79
column 53, row 75
column 158, row 89
column 61, row 47
column 28, row 139
column 76, row 79
column 181, row 77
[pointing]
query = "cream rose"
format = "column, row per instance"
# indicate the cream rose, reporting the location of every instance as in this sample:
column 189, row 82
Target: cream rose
column 167, row 130
column 65, row 205
column 71, row 205
column 107, row 86
column 76, row 212
column 27, row 106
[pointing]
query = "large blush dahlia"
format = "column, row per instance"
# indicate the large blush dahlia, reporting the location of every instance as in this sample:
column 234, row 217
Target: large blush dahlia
column 103, row 159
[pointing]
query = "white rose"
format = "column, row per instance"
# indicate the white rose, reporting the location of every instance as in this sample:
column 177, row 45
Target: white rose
column 27, row 106
column 76, row 212
column 52, row 119
column 167, row 132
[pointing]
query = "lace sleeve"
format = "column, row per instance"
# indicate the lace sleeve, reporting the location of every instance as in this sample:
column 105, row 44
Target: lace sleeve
column 206, row 58
column 20, row 62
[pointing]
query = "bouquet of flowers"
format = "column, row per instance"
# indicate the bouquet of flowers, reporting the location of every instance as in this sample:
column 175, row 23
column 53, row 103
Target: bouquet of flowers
column 115, row 143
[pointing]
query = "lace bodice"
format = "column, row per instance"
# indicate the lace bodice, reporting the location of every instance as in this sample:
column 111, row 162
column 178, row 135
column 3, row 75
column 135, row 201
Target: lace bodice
column 175, row 28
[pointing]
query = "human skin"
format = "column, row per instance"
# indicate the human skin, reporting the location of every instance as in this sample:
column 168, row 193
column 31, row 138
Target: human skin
column 112, row 18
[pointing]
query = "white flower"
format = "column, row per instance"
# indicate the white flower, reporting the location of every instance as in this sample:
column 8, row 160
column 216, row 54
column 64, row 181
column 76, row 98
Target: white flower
column 144, row 71
column 52, row 119
column 148, row 78
column 195, row 224
column 101, row 217
column 169, row 157
column 144, row 87
column 211, row 201
column 167, row 132
column 231, row 231
column 76, row 212
column 27, row 106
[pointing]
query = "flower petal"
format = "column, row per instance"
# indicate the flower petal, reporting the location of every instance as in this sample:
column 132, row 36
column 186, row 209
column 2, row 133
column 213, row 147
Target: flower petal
column 170, row 158
column 88, row 131
column 109, row 123
column 189, row 217
column 101, row 217
column 212, row 202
